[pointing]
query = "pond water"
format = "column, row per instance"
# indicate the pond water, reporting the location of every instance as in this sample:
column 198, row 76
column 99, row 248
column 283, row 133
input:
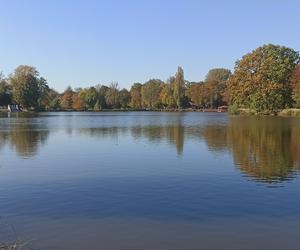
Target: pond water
column 150, row 180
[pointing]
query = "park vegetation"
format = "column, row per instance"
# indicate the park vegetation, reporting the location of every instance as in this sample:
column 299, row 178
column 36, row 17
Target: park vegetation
column 264, row 81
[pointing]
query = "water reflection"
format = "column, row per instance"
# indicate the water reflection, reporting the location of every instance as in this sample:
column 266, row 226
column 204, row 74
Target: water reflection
column 173, row 134
column 267, row 149
column 261, row 149
column 23, row 137
column 264, row 148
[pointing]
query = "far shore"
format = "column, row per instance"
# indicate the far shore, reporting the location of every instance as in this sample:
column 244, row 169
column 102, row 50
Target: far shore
column 292, row 112
column 121, row 110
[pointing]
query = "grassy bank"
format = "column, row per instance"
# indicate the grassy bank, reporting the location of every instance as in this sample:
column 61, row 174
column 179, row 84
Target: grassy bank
column 290, row 112
column 246, row 111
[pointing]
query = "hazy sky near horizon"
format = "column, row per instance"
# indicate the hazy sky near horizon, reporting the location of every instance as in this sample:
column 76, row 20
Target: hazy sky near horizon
column 87, row 42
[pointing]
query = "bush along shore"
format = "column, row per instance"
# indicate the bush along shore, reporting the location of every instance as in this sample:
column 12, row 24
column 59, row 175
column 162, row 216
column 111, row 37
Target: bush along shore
column 265, row 81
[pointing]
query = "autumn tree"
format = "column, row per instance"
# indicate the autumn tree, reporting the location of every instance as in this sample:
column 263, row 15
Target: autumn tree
column 261, row 79
column 197, row 94
column 89, row 96
column 214, row 93
column 167, row 94
column 112, row 95
column 67, row 98
column 26, row 86
column 179, row 86
column 150, row 93
column 77, row 101
column 136, row 96
column 216, row 80
column 295, row 84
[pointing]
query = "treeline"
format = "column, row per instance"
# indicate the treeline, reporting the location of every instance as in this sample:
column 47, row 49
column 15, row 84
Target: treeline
column 265, row 80
column 26, row 88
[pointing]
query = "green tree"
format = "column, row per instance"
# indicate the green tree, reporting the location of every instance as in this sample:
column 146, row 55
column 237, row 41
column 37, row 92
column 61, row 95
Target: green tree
column 51, row 101
column 124, row 96
column 166, row 94
column 179, row 86
column 25, row 83
column 219, row 75
column 261, row 79
column 44, row 89
column 101, row 90
column 5, row 91
column 89, row 97
column 150, row 93
column 55, row 104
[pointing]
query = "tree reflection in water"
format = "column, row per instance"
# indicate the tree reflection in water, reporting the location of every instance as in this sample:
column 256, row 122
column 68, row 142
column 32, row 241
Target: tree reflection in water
column 173, row 134
column 23, row 136
column 264, row 148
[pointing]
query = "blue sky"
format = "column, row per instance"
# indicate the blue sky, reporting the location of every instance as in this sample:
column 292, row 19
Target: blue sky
column 84, row 43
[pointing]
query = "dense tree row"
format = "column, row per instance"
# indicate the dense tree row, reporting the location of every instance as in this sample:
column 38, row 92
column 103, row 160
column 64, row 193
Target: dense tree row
column 29, row 90
column 267, row 79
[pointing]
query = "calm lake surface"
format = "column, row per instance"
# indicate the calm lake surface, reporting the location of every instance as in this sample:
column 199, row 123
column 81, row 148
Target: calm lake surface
column 150, row 180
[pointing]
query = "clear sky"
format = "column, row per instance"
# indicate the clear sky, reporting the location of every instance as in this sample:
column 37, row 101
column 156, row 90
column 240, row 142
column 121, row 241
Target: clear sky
column 84, row 43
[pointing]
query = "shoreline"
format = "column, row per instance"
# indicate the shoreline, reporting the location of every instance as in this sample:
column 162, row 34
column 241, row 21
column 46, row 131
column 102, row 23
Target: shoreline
column 120, row 110
column 291, row 112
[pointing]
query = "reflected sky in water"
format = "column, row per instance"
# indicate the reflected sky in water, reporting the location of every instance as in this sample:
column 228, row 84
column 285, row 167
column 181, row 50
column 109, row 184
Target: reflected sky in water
column 134, row 170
